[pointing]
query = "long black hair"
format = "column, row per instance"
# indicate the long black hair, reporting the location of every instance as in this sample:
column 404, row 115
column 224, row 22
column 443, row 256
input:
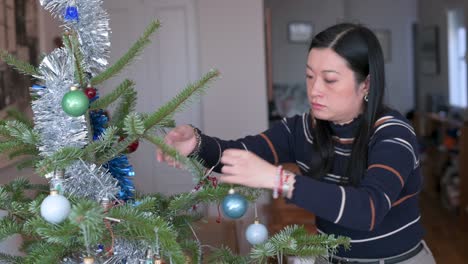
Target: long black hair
column 360, row 48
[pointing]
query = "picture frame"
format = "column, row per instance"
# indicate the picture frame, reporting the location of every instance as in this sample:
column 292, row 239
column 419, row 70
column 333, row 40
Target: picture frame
column 429, row 61
column 385, row 39
column 300, row 32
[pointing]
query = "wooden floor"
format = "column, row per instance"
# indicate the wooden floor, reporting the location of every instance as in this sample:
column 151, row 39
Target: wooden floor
column 445, row 237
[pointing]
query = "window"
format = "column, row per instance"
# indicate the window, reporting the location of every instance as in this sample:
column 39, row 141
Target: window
column 458, row 96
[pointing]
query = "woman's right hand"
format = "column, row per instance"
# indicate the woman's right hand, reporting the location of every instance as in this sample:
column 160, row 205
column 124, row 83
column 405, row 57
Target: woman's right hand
column 183, row 139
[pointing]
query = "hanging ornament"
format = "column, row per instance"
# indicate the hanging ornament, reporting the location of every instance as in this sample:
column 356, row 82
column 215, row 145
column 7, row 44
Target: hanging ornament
column 88, row 260
column 71, row 12
column 55, row 208
column 56, row 182
column 132, row 147
column 75, row 103
column 90, row 92
column 234, row 205
column 256, row 233
column 149, row 257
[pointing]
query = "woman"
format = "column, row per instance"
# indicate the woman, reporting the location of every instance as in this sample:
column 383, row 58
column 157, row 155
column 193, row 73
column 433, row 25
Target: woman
column 359, row 160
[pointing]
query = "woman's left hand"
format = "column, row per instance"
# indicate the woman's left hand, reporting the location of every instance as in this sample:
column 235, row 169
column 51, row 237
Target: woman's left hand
column 245, row 168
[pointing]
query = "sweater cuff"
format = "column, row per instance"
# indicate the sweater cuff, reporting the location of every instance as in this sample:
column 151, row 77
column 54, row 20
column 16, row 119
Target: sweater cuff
column 311, row 194
column 210, row 151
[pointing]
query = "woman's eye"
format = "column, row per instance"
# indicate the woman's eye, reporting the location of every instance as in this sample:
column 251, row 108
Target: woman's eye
column 309, row 76
column 330, row 81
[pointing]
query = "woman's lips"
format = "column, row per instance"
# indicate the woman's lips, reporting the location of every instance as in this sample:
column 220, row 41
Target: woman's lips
column 316, row 106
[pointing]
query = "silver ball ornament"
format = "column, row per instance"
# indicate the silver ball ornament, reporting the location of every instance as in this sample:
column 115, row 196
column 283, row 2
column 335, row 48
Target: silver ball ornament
column 55, row 208
column 256, row 233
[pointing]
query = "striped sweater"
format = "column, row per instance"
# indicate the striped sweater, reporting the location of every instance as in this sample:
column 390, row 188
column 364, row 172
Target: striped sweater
column 381, row 215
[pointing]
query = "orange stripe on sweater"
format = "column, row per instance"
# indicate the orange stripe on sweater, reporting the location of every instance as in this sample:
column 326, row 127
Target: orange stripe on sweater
column 272, row 148
column 404, row 199
column 381, row 121
column 345, row 141
column 372, row 214
column 389, row 169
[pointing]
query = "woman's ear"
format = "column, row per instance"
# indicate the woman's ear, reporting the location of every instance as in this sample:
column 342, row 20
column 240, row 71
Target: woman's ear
column 364, row 86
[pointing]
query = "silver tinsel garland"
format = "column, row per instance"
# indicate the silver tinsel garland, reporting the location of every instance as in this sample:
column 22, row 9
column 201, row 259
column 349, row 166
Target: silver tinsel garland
column 92, row 28
column 59, row 130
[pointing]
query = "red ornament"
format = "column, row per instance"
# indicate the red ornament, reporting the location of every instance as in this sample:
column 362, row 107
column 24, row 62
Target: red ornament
column 132, row 147
column 90, row 92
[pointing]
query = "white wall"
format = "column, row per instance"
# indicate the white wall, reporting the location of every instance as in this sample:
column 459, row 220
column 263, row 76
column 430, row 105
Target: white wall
column 231, row 39
column 289, row 59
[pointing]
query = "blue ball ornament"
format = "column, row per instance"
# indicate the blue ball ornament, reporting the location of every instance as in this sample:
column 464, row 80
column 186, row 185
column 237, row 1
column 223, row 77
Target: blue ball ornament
column 256, row 233
column 234, row 205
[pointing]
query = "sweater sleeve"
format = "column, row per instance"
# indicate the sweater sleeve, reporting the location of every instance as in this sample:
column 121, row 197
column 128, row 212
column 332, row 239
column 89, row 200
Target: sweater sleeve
column 274, row 145
column 392, row 159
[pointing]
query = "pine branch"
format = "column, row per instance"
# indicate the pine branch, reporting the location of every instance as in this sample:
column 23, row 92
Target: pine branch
column 138, row 225
column 20, row 117
column 126, row 106
column 59, row 160
column 29, row 150
column 133, row 125
column 9, row 259
column 88, row 215
column 102, row 144
column 20, row 66
column 193, row 166
column 65, row 234
column 115, row 151
column 27, row 163
column 71, row 42
column 22, row 132
column 45, row 253
column 9, row 227
column 124, row 90
column 224, row 255
column 180, row 100
column 128, row 57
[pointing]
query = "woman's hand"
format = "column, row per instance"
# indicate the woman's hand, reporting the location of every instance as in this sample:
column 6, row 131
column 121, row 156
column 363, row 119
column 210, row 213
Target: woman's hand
column 245, row 168
column 183, row 139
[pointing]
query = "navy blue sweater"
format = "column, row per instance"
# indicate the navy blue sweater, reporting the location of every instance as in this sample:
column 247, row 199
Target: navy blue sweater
column 380, row 215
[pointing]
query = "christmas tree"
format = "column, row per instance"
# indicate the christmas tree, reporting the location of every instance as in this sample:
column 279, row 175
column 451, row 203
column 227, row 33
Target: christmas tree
column 89, row 212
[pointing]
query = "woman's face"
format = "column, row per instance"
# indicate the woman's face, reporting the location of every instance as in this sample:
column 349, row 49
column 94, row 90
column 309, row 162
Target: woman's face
column 333, row 92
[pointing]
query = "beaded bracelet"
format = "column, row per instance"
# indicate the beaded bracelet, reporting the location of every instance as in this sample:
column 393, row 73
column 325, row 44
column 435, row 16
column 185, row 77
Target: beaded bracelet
column 279, row 172
column 286, row 186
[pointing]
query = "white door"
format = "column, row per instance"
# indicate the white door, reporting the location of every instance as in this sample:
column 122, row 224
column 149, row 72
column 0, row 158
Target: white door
column 166, row 66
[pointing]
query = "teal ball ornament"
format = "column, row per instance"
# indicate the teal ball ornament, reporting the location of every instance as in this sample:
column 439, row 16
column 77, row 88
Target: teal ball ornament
column 234, row 205
column 256, row 233
column 75, row 103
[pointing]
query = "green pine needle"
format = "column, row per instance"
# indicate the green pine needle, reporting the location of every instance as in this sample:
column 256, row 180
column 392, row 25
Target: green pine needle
column 59, row 160
column 133, row 125
column 125, row 107
column 72, row 43
column 20, row 66
column 181, row 100
column 123, row 90
column 9, row 259
column 20, row 117
column 9, row 227
column 129, row 56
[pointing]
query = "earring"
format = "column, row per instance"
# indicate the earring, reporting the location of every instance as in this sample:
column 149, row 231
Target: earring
column 366, row 98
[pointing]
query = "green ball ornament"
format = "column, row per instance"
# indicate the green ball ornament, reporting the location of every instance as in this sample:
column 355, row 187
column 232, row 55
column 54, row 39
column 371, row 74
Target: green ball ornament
column 75, row 103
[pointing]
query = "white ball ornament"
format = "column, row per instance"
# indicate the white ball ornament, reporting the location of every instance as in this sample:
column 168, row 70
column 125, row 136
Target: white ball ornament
column 256, row 233
column 55, row 208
